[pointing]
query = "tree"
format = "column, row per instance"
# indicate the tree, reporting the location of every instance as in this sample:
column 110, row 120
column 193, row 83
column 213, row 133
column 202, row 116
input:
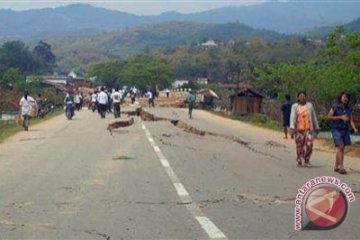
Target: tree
column 108, row 73
column 11, row 77
column 15, row 54
column 47, row 59
column 147, row 72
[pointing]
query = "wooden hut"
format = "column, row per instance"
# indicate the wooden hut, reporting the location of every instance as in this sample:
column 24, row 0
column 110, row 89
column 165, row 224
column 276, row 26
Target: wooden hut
column 207, row 97
column 246, row 101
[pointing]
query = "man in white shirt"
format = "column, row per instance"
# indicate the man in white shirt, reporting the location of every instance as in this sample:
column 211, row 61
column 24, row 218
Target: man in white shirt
column 116, row 97
column 102, row 100
column 77, row 100
column 150, row 96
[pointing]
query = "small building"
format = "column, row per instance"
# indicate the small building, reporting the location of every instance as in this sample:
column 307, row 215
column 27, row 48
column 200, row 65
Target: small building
column 207, row 97
column 246, row 101
column 179, row 82
column 56, row 79
column 234, row 86
column 59, row 88
column 79, row 82
column 202, row 81
column 209, row 43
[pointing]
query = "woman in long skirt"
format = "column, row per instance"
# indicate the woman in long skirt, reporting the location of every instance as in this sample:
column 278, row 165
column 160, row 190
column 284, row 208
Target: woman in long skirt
column 303, row 124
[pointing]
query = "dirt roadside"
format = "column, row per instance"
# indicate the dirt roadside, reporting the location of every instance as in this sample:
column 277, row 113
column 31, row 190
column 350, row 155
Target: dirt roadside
column 325, row 145
column 328, row 146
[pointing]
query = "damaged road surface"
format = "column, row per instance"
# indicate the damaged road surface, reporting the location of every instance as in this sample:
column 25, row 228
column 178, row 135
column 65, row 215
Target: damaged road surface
column 201, row 178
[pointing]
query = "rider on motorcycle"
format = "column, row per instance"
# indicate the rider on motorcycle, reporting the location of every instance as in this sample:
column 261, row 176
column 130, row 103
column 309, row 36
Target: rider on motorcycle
column 69, row 104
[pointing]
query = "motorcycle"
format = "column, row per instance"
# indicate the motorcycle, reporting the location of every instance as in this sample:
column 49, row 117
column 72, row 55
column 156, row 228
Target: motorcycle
column 45, row 109
column 69, row 110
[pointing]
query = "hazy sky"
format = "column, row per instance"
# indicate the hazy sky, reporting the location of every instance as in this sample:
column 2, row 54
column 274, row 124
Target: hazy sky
column 140, row 7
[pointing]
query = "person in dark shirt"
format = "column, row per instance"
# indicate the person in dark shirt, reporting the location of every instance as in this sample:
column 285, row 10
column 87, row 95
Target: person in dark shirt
column 340, row 116
column 286, row 110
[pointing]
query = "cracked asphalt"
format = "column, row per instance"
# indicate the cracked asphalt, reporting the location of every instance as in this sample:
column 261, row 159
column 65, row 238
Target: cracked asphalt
column 65, row 180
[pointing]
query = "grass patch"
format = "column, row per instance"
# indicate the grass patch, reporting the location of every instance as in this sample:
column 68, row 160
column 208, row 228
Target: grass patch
column 122, row 157
column 10, row 128
column 260, row 120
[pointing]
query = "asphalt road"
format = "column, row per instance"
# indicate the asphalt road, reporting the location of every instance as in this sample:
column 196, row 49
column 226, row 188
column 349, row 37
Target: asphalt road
column 152, row 180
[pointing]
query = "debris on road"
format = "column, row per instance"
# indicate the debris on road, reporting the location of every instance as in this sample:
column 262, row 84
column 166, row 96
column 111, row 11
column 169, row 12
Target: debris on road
column 119, row 124
column 122, row 157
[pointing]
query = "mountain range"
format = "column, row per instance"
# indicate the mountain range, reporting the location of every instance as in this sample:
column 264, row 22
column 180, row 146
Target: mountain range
column 322, row 32
column 87, row 49
column 284, row 17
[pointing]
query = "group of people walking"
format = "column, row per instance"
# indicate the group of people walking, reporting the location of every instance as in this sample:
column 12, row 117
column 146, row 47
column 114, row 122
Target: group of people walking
column 105, row 101
column 301, row 118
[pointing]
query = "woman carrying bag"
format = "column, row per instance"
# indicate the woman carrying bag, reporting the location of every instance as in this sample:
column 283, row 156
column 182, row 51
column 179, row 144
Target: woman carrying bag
column 28, row 109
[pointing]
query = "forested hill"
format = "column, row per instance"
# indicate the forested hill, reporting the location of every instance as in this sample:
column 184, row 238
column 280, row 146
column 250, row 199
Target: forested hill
column 353, row 26
column 80, row 49
column 172, row 34
column 285, row 17
column 322, row 32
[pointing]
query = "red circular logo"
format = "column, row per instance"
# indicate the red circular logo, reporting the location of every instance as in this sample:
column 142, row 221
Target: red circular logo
column 326, row 207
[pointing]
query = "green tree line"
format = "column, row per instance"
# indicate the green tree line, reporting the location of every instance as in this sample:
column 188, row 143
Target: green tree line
column 143, row 71
column 322, row 69
column 336, row 67
column 17, row 60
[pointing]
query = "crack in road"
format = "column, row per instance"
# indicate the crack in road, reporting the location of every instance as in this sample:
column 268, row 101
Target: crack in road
column 146, row 116
column 31, row 139
column 96, row 233
column 255, row 199
column 52, row 227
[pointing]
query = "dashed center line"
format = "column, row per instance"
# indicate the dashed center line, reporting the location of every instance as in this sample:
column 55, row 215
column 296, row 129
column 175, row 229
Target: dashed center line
column 181, row 189
column 209, row 227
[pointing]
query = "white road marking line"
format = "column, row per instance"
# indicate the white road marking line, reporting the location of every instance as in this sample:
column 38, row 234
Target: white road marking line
column 210, row 228
column 156, row 149
column 160, row 155
column 165, row 162
column 171, row 174
column 181, row 189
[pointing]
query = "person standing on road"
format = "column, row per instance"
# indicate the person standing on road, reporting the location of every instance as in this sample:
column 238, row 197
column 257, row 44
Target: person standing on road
column 132, row 96
column 190, row 99
column 94, row 101
column 81, row 100
column 167, row 91
column 77, row 101
column 340, row 116
column 150, row 97
column 116, row 101
column 102, row 100
column 27, row 104
column 286, row 110
column 109, row 102
column 303, row 123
